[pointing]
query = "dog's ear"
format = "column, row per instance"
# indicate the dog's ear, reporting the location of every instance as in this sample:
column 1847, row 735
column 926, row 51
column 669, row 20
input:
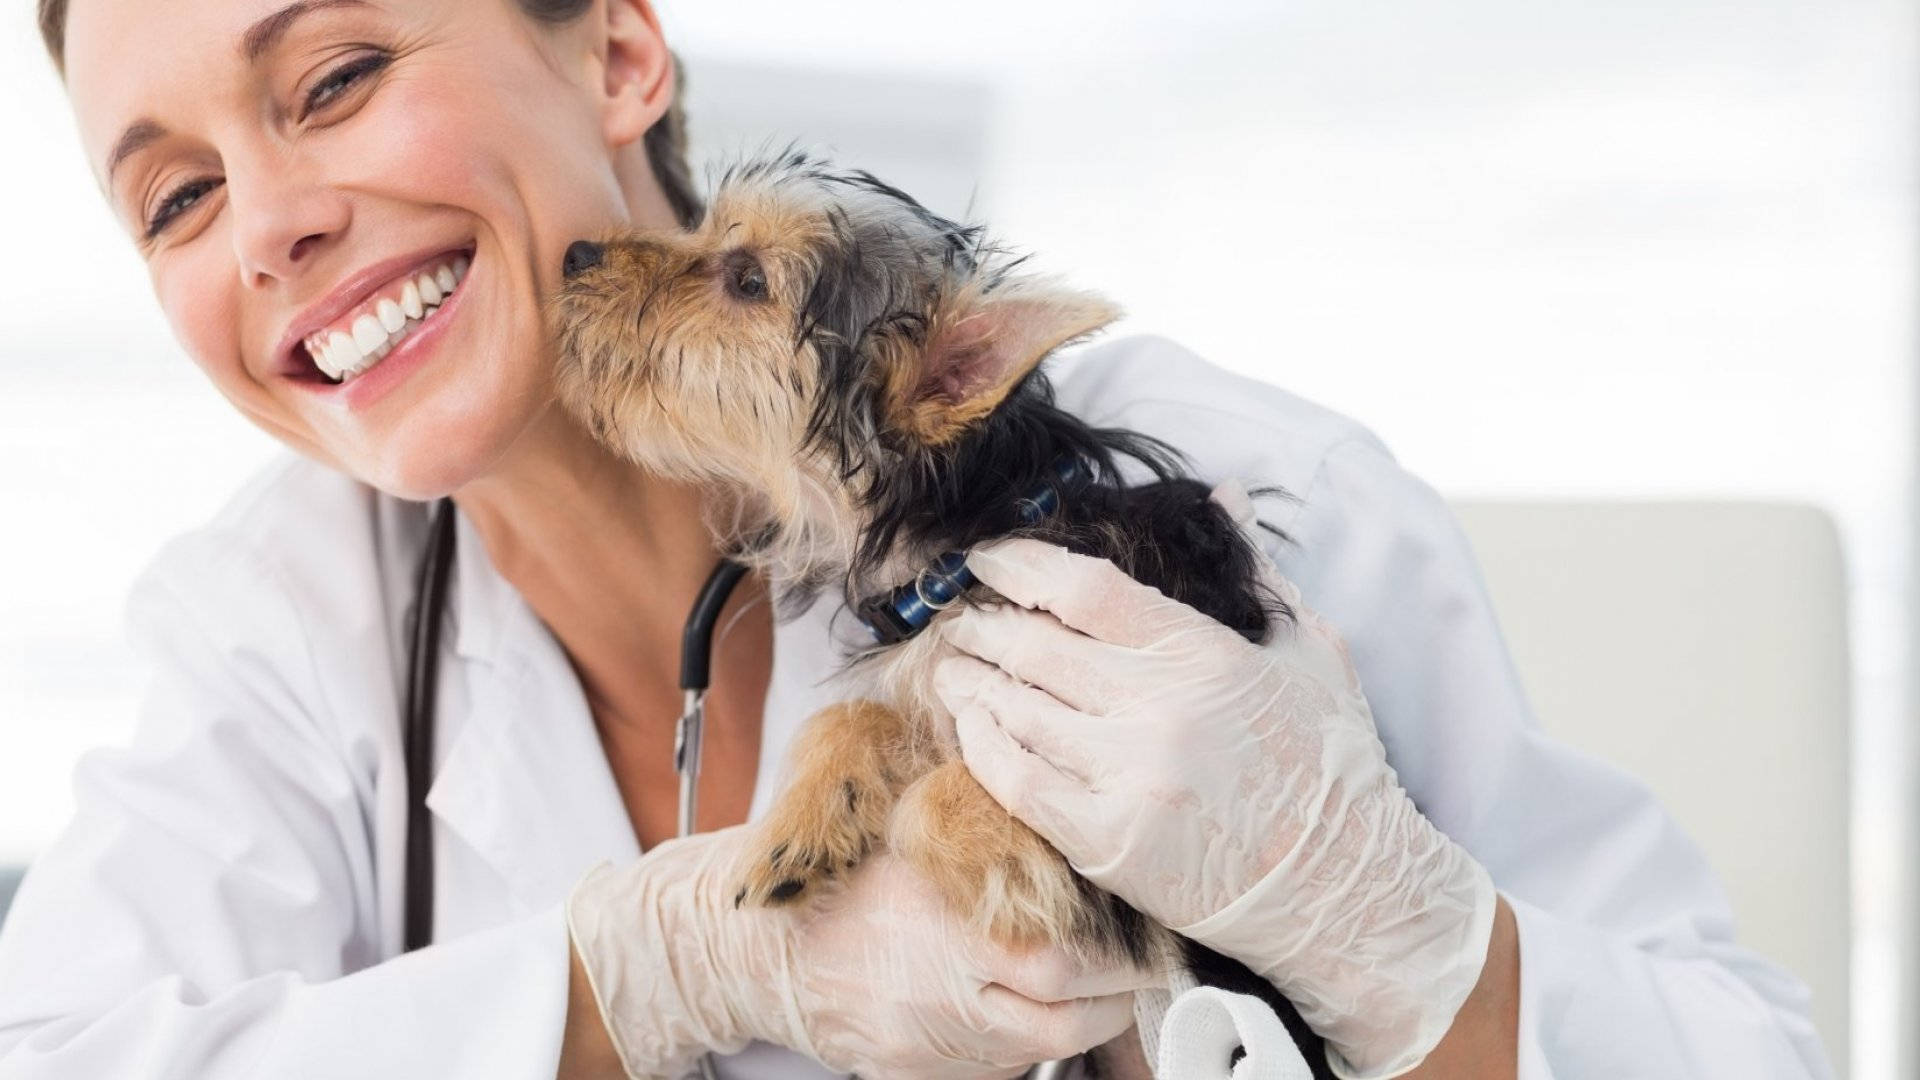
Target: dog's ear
column 979, row 346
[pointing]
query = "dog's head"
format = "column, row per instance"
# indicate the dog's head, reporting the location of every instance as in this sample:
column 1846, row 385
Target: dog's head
column 819, row 332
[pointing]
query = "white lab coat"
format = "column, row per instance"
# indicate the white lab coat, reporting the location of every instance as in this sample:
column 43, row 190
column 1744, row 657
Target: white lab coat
column 227, row 900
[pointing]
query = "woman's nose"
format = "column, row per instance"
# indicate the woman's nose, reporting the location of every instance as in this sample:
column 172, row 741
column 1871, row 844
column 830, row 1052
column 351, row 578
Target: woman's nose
column 281, row 221
column 581, row 256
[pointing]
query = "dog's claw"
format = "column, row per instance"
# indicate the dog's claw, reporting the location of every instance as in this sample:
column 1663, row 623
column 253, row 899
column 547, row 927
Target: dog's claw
column 785, row 870
column 786, row 873
column 821, row 826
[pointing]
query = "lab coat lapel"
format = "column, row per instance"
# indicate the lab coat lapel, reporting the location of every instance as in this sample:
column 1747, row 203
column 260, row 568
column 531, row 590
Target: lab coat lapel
column 524, row 780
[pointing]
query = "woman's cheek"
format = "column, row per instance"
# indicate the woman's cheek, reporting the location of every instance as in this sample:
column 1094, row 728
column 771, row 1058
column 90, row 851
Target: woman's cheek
column 517, row 157
column 198, row 292
column 421, row 139
column 528, row 152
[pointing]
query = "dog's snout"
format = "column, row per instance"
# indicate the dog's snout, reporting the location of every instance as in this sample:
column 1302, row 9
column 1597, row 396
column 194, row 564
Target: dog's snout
column 581, row 256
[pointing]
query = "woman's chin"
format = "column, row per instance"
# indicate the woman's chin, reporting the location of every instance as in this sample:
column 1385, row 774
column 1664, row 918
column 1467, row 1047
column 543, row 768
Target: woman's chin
column 420, row 481
column 435, row 456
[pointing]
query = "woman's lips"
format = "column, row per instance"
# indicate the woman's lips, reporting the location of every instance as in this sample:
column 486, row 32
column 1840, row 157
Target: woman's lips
column 292, row 358
column 361, row 338
column 412, row 353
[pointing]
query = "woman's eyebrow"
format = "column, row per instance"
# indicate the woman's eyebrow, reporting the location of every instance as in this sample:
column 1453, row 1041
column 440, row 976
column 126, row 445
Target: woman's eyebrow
column 259, row 38
column 138, row 135
column 262, row 35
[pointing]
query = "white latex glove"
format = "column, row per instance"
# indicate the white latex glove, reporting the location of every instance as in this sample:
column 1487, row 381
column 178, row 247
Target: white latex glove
column 876, row 978
column 1236, row 793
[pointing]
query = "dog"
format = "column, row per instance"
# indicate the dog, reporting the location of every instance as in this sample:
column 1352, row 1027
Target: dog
column 857, row 381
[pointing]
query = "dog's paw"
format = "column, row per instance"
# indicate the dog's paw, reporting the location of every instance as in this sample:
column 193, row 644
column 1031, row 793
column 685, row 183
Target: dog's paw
column 849, row 763
column 819, row 829
column 989, row 866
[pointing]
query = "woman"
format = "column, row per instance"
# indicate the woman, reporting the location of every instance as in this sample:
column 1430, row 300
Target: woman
column 227, row 901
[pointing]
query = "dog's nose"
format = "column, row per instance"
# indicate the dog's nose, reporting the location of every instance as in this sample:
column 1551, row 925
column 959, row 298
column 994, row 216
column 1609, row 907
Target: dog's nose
column 581, row 257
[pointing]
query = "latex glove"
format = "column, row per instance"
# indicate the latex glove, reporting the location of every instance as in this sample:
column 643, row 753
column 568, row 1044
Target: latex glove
column 1237, row 793
column 877, row 978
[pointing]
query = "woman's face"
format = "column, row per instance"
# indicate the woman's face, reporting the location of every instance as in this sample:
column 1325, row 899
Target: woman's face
column 287, row 170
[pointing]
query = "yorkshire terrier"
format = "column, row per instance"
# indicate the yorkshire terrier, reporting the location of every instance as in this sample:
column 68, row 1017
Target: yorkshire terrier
column 856, row 380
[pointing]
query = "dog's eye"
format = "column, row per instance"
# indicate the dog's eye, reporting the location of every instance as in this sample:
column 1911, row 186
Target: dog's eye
column 746, row 279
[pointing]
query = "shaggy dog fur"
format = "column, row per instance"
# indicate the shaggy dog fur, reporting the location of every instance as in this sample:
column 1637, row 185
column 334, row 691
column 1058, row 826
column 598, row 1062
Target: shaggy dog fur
column 855, row 380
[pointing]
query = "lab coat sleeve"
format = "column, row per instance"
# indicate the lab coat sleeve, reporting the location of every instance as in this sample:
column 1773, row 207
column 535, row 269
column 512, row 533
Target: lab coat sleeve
column 209, row 912
column 1628, row 963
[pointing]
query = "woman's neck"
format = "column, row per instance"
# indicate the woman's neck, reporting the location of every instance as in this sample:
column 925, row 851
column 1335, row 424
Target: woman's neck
column 608, row 555
column 611, row 557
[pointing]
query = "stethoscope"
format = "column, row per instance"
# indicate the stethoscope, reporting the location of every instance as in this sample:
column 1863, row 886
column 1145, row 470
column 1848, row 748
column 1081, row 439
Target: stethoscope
column 891, row 616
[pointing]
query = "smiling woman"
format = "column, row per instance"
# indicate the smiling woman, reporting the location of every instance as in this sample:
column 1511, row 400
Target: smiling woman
column 354, row 215
column 438, row 131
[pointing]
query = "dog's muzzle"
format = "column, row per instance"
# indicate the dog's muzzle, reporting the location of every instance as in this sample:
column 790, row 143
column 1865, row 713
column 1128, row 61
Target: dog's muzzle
column 582, row 256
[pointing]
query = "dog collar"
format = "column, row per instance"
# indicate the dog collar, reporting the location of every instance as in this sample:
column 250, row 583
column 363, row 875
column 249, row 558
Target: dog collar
column 900, row 613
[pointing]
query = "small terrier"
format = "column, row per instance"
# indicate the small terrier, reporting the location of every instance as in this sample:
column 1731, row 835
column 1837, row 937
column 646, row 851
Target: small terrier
column 855, row 379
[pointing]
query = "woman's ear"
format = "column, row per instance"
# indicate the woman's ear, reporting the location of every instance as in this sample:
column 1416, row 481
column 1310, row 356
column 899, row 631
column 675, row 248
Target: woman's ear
column 978, row 348
column 639, row 71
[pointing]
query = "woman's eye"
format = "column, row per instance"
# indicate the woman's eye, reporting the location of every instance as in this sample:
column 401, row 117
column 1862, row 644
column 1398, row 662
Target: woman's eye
column 340, row 80
column 178, row 201
column 746, row 280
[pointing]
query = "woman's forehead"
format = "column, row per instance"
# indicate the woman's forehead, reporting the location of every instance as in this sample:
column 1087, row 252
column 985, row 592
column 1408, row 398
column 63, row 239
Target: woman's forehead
column 136, row 64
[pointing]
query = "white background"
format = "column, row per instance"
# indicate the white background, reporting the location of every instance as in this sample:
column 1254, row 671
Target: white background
column 1618, row 247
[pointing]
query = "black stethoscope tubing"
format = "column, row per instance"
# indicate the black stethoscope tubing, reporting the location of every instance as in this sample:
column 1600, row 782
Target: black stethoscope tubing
column 423, row 669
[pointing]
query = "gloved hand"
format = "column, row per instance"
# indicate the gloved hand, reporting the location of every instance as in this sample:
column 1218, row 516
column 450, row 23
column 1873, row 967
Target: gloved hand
column 877, row 978
column 1236, row 793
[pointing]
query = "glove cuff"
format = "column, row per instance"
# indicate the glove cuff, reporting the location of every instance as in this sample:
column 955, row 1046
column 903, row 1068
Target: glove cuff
column 657, row 977
column 1380, row 966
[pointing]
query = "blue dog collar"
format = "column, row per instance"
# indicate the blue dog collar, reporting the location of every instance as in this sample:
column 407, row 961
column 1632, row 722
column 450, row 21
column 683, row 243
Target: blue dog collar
column 899, row 614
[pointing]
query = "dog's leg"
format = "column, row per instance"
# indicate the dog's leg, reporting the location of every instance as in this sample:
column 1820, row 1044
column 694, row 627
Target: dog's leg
column 987, row 863
column 849, row 765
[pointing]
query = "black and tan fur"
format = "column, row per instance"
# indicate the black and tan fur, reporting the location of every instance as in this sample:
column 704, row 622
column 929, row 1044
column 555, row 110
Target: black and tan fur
column 856, row 380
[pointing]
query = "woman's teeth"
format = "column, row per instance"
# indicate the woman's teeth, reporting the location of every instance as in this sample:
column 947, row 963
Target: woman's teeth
column 358, row 343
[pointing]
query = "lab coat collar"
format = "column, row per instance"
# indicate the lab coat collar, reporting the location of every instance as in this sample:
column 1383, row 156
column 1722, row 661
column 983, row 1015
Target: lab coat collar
column 524, row 780
column 482, row 598
column 528, row 738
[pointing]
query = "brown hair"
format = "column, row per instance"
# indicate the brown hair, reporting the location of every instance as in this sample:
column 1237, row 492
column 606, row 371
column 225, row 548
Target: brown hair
column 666, row 140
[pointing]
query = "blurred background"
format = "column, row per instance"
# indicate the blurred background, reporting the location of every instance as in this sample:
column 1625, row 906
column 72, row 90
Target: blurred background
column 1625, row 249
